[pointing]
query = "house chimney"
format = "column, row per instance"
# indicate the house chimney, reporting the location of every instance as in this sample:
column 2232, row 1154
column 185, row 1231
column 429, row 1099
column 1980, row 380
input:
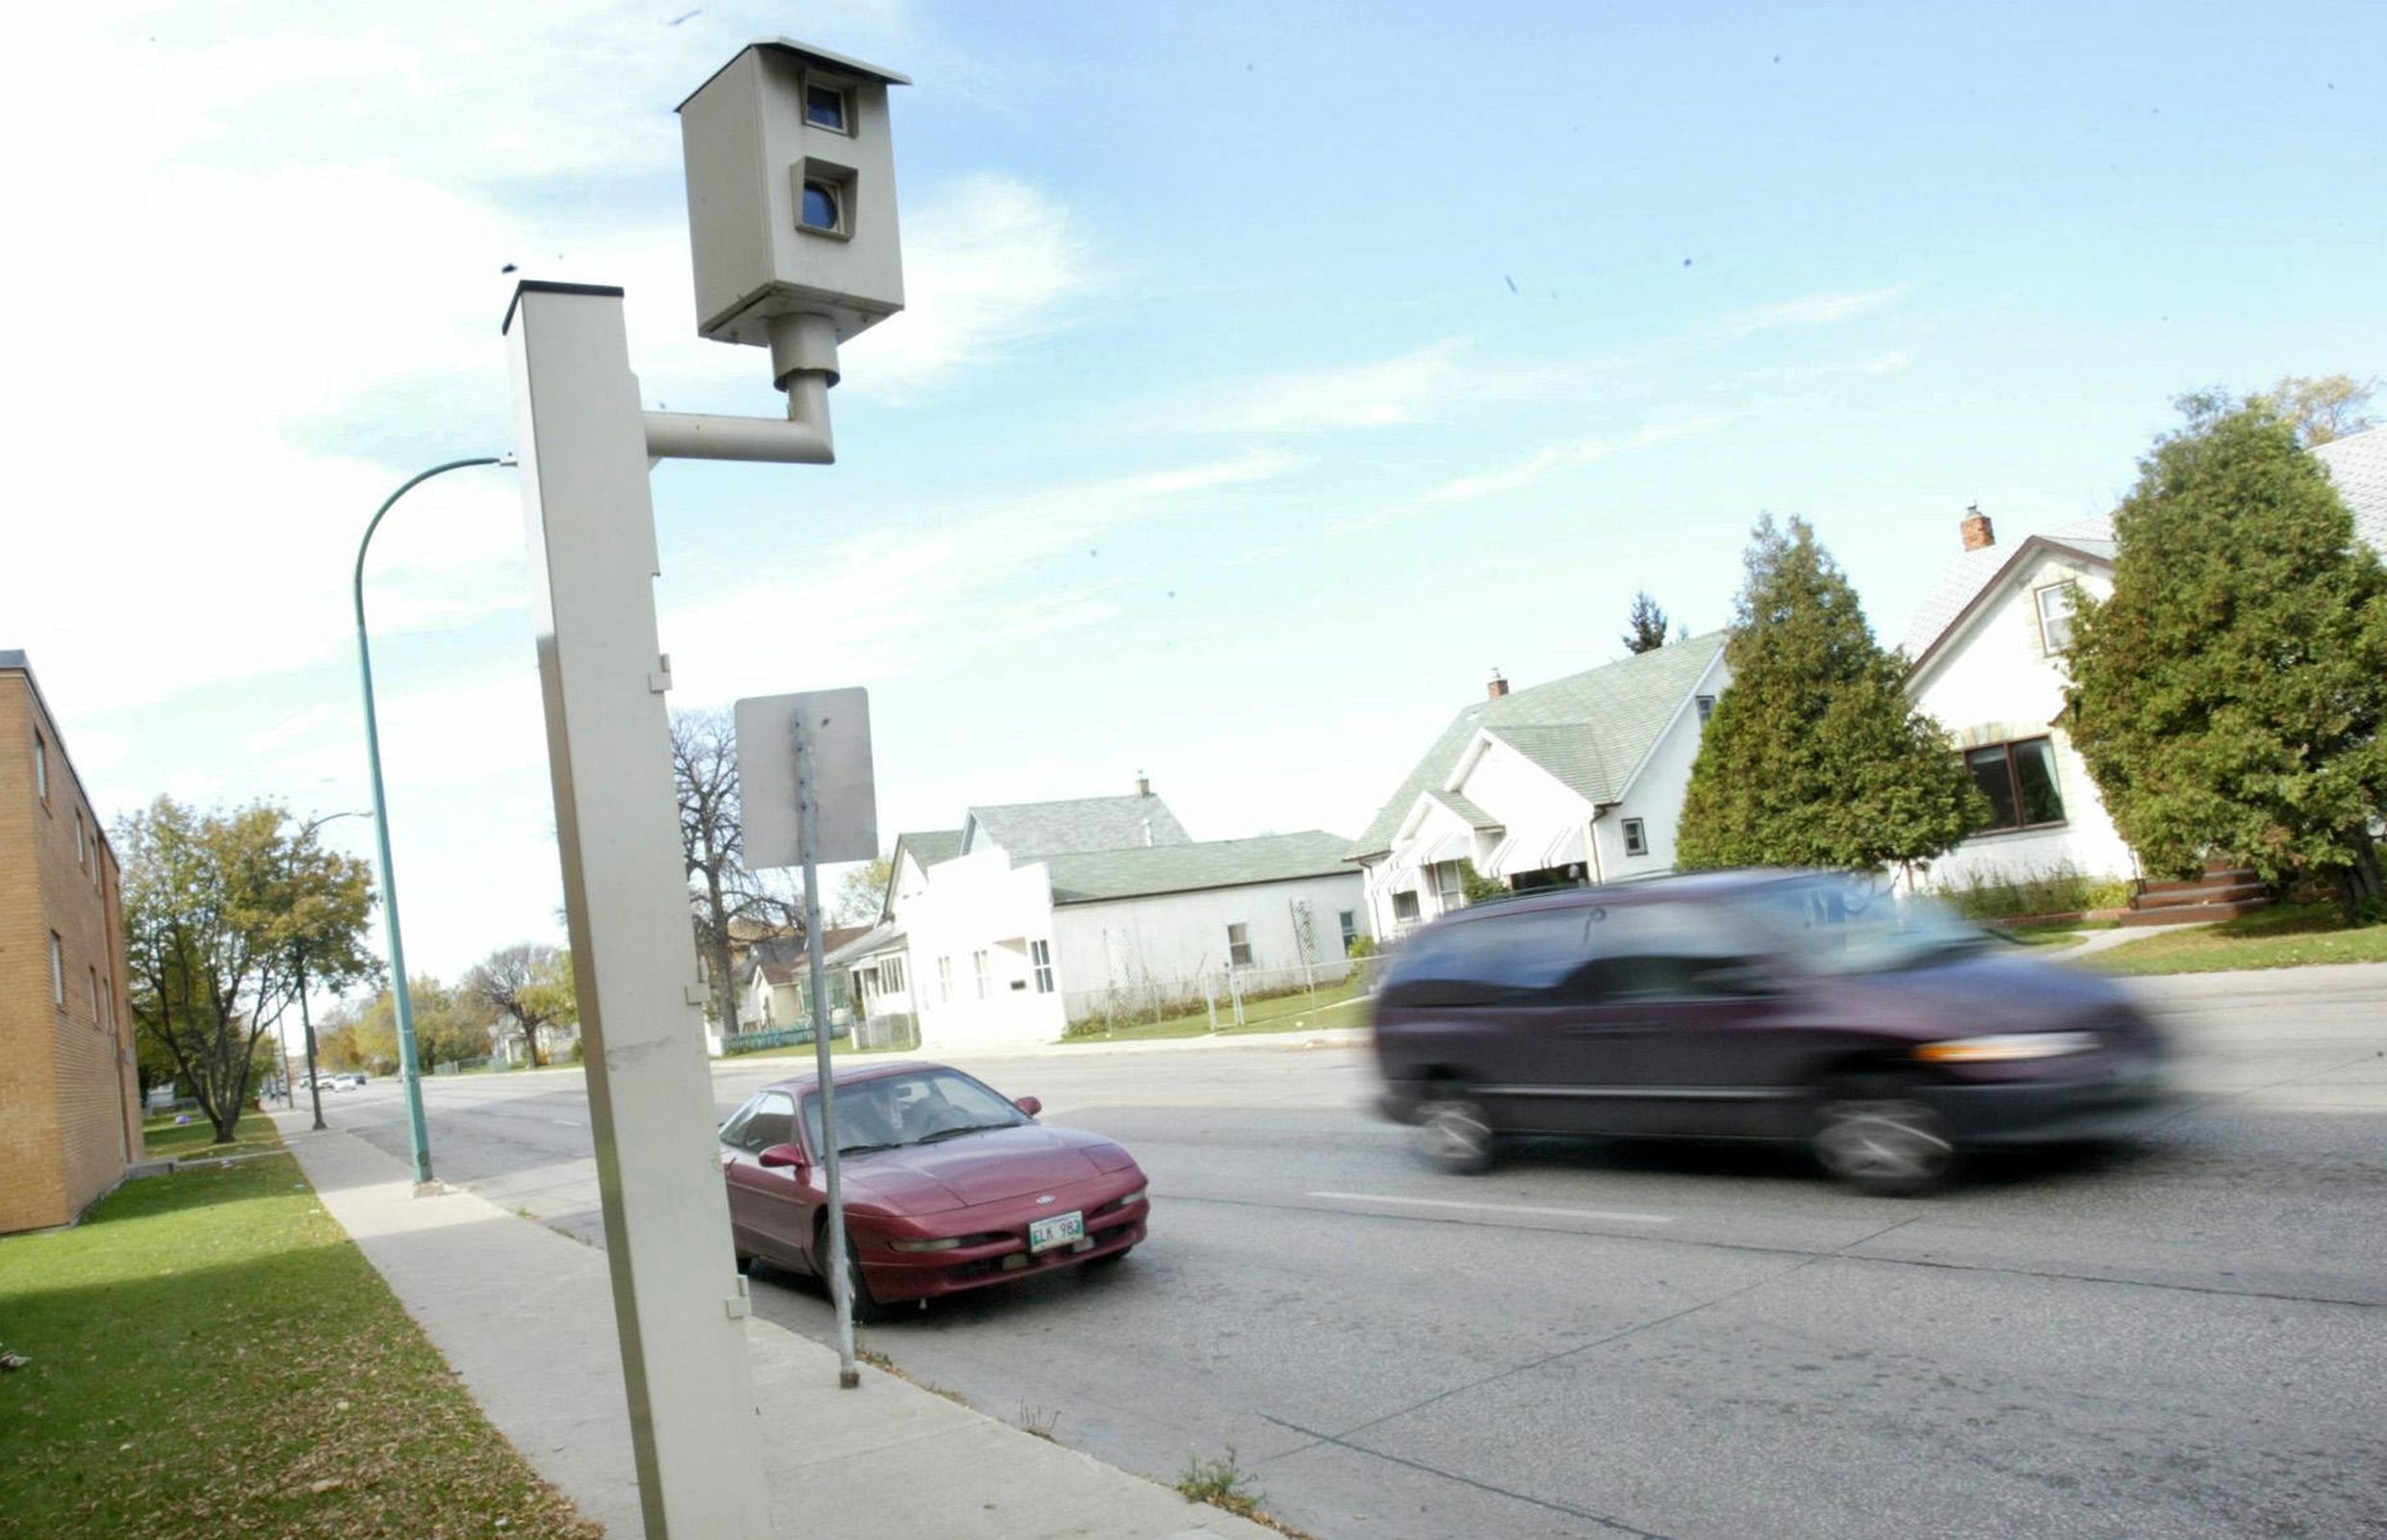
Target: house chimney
column 1978, row 535
column 1143, row 784
column 1498, row 687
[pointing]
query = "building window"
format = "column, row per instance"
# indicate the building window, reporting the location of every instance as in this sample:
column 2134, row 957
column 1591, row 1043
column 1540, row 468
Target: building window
column 1636, row 837
column 1041, row 957
column 891, row 976
column 1238, row 945
column 83, row 842
column 1350, row 930
column 40, row 768
column 2055, row 616
column 944, row 980
column 108, row 1004
column 978, row 962
column 827, row 107
column 1406, row 903
column 1449, row 893
column 1706, row 708
column 2019, row 780
column 95, row 1015
column 58, row 972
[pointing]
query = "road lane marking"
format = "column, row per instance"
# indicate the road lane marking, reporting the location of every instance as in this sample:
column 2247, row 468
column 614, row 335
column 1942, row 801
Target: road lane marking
column 1604, row 1216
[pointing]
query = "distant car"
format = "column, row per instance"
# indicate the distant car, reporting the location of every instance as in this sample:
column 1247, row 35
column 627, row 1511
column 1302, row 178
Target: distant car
column 353, row 1077
column 948, row 1185
column 1884, row 1032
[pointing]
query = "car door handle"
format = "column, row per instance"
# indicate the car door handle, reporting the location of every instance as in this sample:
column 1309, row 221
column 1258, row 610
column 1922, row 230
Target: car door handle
column 1609, row 1029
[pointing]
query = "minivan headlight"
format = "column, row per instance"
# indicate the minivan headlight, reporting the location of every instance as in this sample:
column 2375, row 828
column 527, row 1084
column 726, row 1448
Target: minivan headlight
column 2003, row 1047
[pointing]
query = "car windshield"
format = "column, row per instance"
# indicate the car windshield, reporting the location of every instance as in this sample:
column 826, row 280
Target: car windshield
column 1854, row 925
column 917, row 1108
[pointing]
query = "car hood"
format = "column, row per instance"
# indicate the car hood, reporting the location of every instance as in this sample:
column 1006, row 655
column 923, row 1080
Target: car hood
column 1001, row 1163
column 1980, row 992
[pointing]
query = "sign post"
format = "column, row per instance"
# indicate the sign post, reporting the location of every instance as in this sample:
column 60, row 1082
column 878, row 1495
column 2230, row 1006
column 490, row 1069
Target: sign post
column 828, row 732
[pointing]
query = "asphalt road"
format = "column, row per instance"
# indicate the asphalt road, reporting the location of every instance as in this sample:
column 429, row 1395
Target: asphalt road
column 2185, row 1340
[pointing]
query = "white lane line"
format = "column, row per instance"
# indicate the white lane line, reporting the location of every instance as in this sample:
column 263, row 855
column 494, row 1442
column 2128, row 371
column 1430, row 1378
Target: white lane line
column 1604, row 1216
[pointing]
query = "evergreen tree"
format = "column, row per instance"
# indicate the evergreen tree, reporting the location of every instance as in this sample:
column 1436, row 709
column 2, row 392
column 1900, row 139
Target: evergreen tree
column 2228, row 696
column 1814, row 756
column 1648, row 623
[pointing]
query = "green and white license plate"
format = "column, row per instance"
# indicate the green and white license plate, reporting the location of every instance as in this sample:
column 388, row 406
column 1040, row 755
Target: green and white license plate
column 1060, row 1230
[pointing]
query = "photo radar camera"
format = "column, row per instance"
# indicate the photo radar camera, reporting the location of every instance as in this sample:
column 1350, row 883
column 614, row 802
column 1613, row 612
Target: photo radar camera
column 791, row 203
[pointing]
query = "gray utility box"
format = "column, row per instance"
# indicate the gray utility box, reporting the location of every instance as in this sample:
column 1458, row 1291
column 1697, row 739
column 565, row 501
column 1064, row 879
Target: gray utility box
column 792, row 192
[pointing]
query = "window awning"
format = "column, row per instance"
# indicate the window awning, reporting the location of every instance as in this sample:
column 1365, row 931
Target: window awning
column 1567, row 850
column 1450, row 847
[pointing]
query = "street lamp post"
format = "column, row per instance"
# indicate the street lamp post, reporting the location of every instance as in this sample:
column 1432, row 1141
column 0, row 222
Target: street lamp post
column 418, row 1136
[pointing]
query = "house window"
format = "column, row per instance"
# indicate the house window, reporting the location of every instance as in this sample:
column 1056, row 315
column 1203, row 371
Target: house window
column 108, row 1004
column 40, row 768
column 891, row 976
column 1449, row 892
column 1406, row 903
column 1238, row 945
column 1041, row 957
column 83, row 842
column 58, row 972
column 2019, row 780
column 1350, row 930
column 95, row 1016
column 2055, row 616
column 944, row 980
column 1636, row 837
column 825, row 106
column 978, row 962
column 1706, row 708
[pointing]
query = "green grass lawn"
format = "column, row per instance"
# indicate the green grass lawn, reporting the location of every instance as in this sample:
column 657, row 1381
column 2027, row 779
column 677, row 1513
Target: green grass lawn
column 195, row 1138
column 2288, row 936
column 1332, row 1005
column 211, row 1358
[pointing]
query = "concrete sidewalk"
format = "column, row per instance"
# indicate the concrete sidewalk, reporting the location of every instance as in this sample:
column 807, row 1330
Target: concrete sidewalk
column 526, row 1317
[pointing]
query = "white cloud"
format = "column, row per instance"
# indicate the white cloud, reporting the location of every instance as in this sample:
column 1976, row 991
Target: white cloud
column 1813, row 310
column 1384, row 394
column 1541, row 464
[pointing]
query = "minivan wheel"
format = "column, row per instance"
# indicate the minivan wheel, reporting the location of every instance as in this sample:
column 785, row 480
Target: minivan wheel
column 1453, row 1137
column 1880, row 1139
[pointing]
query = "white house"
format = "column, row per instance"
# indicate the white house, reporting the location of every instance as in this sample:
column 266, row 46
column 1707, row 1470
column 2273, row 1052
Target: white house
column 1987, row 652
column 1037, row 914
column 1579, row 780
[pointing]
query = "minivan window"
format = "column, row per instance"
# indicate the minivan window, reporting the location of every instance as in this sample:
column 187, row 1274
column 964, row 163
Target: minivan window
column 1665, row 952
column 1496, row 959
column 1849, row 925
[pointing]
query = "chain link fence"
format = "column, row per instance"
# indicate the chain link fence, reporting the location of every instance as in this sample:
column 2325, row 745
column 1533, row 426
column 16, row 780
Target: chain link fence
column 1327, row 993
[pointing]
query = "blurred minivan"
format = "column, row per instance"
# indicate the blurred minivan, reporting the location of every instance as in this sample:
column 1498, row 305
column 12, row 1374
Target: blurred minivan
column 1875, row 1028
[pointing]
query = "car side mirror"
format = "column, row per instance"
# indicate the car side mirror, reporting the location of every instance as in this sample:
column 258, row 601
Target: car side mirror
column 1029, row 1105
column 782, row 1157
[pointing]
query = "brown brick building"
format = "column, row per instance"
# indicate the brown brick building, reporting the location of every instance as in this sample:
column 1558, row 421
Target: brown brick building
column 69, row 1095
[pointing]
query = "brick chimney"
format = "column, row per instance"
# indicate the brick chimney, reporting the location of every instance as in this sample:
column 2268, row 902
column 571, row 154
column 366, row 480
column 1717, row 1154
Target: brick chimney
column 1978, row 534
column 1498, row 687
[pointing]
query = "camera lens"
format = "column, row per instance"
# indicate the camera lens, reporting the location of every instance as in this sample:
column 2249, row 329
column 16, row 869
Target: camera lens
column 820, row 206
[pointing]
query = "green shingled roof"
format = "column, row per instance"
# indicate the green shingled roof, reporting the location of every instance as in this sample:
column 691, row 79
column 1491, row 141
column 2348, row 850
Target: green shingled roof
column 1090, row 877
column 928, row 846
column 1590, row 729
column 1029, row 830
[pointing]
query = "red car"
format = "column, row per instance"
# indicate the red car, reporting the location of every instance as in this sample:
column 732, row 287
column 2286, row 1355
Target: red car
column 948, row 1185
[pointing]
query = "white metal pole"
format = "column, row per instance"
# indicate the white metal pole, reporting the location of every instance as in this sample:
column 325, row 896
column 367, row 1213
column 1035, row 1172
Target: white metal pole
column 808, row 827
column 680, row 1307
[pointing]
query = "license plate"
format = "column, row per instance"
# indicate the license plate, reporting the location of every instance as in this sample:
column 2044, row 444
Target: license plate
column 1060, row 1230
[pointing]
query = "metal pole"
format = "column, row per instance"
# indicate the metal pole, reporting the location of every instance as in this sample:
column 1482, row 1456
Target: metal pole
column 815, row 951
column 306, row 1025
column 418, row 1136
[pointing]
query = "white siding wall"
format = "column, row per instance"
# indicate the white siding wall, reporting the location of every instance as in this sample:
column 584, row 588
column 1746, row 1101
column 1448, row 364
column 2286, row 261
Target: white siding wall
column 1993, row 683
column 981, row 903
column 1656, row 795
column 1170, row 940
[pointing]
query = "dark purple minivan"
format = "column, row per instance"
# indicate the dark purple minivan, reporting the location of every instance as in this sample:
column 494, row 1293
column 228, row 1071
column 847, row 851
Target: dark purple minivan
column 1881, row 1031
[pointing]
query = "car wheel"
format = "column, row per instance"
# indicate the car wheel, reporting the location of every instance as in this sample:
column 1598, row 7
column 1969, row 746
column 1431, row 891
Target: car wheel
column 1880, row 1139
column 866, row 1310
column 1453, row 1136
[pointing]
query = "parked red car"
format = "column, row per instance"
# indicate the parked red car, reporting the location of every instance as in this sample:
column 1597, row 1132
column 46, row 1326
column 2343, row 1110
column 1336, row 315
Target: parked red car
column 948, row 1185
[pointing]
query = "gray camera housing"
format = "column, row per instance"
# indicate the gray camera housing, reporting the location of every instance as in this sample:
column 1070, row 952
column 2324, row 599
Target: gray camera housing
column 789, row 212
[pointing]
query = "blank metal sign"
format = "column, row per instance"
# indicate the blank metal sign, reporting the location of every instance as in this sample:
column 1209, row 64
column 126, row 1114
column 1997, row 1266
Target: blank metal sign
column 848, row 824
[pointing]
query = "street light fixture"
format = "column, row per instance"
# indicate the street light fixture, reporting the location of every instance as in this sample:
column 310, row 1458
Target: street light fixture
column 417, row 1135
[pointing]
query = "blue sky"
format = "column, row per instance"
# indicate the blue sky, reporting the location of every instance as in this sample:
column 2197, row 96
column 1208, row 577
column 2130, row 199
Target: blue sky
column 1273, row 371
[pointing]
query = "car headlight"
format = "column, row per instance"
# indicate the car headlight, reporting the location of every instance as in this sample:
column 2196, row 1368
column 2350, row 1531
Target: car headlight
column 2003, row 1047
column 941, row 1243
column 1127, row 1200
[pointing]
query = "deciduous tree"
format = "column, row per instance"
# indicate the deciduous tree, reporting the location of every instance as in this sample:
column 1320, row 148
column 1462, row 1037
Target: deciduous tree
column 2329, row 407
column 1814, row 756
column 722, row 889
column 220, row 909
column 2228, row 696
column 525, row 989
column 860, row 893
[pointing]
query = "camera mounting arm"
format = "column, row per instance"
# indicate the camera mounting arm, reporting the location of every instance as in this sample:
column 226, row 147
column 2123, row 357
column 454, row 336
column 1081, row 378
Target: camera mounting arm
column 804, row 363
